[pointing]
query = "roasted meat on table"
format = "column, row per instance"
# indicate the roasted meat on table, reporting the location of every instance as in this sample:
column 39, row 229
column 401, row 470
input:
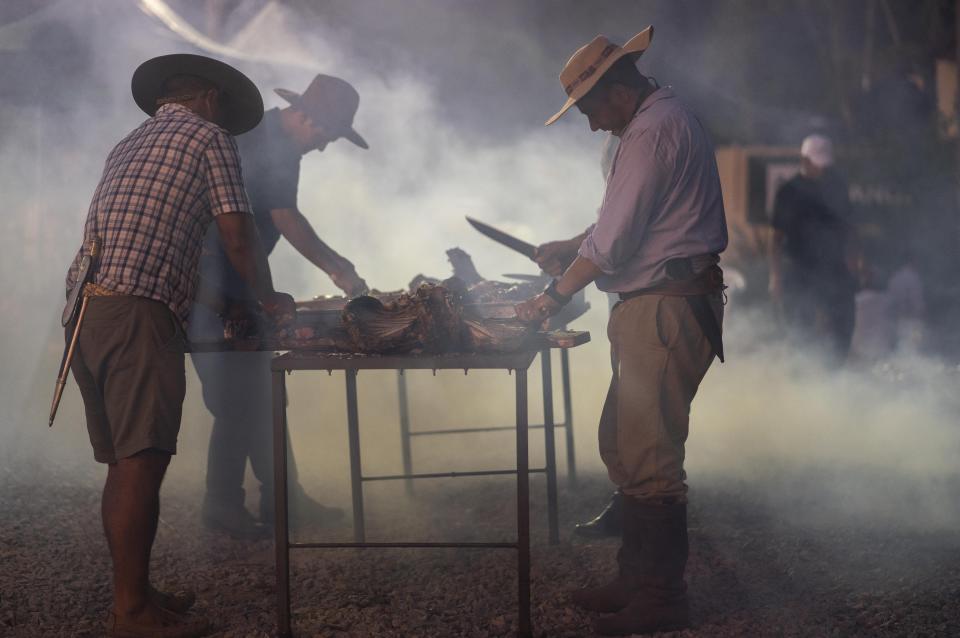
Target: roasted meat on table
column 427, row 320
column 464, row 313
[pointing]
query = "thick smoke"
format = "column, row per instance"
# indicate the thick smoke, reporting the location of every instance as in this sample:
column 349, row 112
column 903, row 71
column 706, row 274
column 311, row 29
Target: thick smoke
column 453, row 131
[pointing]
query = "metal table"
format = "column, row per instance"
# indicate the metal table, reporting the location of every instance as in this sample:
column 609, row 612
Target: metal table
column 407, row 433
column 326, row 312
column 516, row 363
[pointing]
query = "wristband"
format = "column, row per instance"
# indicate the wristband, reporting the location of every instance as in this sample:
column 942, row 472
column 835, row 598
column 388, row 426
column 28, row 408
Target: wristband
column 552, row 292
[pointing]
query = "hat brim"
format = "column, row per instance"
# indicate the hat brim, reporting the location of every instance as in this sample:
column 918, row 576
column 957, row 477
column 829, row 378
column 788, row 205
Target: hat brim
column 240, row 99
column 350, row 134
column 288, row 95
column 356, row 138
column 634, row 48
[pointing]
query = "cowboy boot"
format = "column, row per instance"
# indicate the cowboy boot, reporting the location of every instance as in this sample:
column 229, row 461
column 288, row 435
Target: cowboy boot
column 230, row 517
column 618, row 593
column 606, row 523
column 660, row 602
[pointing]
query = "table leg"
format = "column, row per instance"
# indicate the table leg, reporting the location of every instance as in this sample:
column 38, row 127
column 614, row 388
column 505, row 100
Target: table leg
column 281, row 536
column 353, row 431
column 568, row 415
column 405, row 429
column 550, row 451
column 523, row 507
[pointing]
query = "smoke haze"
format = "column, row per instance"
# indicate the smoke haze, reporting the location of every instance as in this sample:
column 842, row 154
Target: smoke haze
column 455, row 129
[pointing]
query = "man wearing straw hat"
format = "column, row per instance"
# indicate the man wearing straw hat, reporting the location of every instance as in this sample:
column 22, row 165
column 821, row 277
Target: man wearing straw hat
column 162, row 186
column 242, row 425
column 655, row 243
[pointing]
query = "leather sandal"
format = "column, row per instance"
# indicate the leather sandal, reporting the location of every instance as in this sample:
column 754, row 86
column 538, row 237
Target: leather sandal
column 178, row 602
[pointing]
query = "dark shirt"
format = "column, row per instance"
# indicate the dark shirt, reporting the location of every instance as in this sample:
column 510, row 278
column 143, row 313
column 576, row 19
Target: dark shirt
column 813, row 215
column 271, row 173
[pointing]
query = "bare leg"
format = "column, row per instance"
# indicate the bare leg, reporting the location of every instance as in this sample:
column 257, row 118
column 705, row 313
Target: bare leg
column 131, row 510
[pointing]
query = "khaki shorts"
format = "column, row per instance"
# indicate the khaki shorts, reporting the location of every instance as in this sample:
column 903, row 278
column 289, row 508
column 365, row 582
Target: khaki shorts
column 129, row 366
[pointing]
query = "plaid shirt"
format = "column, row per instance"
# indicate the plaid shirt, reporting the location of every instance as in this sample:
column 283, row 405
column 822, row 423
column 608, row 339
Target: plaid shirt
column 161, row 187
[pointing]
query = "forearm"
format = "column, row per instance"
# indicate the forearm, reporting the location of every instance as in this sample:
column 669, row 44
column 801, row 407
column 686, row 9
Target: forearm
column 578, row 276
column 298, row 231
column 250, row 262
column 308, row 244
column 241, row 243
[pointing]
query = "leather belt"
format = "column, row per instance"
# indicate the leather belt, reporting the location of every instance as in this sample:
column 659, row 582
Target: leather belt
column 706, row 282
column 695, row 289
column 91, row 289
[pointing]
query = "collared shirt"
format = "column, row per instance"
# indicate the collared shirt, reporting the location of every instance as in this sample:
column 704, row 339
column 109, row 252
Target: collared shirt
column 271, row 173
column 662, row 201
column 161, row 187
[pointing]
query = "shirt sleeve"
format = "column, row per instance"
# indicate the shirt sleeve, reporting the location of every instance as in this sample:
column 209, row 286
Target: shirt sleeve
column 221, row 161
column 634, row 193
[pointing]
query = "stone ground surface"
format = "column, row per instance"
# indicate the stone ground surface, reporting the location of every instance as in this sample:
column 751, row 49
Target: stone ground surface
column 753, row 571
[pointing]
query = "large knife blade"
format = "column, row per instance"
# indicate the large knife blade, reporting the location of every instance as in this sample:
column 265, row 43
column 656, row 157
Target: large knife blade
column 501, row 237
column 524, row 277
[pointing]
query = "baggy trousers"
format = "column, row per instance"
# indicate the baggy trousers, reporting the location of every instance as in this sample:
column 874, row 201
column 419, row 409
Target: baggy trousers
column 237, row 392
column 660, row 355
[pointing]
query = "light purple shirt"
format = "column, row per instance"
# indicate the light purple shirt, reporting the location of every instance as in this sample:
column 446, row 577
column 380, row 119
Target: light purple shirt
column 662, row 201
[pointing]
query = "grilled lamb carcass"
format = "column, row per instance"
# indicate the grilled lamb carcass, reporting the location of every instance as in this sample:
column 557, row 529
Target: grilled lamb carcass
column 428, row 320
column 492, row 335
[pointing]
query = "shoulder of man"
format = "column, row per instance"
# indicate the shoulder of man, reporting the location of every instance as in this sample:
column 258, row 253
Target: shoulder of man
column 199, row 128
column 667, row 126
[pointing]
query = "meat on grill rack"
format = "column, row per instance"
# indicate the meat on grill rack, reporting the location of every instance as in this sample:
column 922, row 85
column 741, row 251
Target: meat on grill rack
column 433, row 316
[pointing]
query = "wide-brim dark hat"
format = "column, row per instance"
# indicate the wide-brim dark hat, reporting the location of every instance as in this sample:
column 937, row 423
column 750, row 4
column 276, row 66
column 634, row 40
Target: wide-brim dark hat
column 330, row 102
column 239, row 97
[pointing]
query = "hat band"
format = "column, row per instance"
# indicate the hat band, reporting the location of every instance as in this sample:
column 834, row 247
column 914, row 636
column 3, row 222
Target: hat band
column 590, row 70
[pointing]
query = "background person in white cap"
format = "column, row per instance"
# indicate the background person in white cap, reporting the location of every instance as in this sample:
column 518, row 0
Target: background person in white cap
column 236, row 385
column 655, row 243
column 162, row 186
column 811, row 283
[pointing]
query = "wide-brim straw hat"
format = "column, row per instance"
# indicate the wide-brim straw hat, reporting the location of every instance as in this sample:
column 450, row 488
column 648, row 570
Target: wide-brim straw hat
column 239, row 97
column 330, row 102
column 591, row 61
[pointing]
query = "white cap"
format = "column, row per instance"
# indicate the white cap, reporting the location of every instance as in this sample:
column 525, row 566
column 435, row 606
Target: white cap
column 818, row 149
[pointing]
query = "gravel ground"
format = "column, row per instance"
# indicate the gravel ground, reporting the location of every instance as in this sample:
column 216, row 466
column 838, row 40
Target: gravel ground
column 753, row 571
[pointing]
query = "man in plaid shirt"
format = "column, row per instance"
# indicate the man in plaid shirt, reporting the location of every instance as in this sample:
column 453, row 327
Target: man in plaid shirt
column 161, row 188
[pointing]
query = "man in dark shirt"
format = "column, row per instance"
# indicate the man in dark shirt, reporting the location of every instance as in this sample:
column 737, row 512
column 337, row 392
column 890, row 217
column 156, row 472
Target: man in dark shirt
column 236, row 386
column 809, row 279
